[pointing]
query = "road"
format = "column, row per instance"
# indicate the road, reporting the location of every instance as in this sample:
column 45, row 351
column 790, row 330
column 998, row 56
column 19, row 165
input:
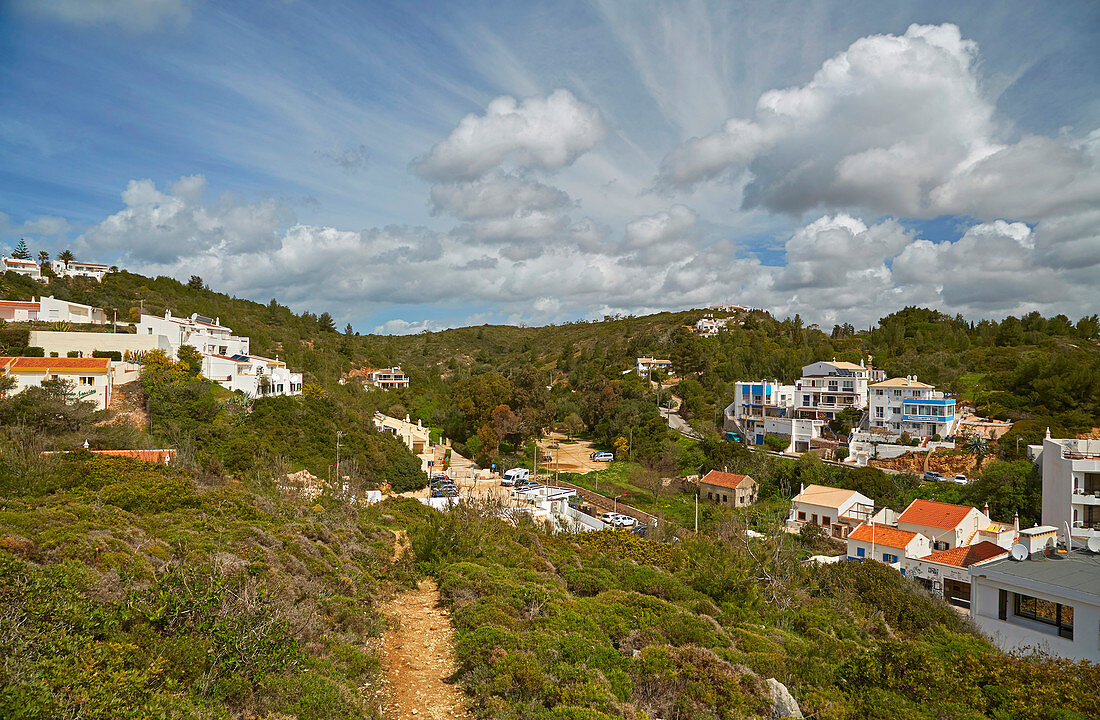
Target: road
column 679, row 424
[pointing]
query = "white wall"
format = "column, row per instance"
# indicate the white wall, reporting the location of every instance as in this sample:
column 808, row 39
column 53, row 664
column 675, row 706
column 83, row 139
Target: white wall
column 62, row 342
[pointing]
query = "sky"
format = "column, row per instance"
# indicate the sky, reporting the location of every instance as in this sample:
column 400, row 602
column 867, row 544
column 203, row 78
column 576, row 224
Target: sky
column 415, row 166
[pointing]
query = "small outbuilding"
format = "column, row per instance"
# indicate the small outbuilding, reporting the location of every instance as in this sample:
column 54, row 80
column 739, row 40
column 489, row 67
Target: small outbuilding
column 730, row 489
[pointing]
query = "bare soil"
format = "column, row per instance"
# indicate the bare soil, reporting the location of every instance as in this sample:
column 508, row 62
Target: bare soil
column 568, row 456
column 418, row 654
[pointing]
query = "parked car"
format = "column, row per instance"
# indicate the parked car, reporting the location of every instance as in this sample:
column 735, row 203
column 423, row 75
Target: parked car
column 602, row 457
column 933, row 477
column 960, row 479
column 513, row 476
column 624, row 521
column 445, row 491
column 608, row 518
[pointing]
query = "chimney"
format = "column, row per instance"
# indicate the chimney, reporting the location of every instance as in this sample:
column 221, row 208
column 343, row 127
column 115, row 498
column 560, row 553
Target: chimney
column 986, row 510
column 1016, row 524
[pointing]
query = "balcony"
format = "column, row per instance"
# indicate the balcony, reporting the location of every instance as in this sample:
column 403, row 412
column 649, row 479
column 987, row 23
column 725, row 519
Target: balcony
column 928, row 418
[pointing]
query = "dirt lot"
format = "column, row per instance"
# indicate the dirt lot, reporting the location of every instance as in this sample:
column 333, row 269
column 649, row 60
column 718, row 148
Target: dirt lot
column 569, row 457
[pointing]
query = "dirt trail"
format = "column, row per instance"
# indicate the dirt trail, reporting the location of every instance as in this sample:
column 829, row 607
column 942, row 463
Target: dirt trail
column 418, row 652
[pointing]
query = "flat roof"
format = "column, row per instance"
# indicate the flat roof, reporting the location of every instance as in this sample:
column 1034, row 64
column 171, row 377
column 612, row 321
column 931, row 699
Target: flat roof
column 1077, row 570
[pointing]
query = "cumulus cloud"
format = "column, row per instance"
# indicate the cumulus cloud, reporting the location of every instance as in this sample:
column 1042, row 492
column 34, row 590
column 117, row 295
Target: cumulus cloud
column 549, row 133
column 878, row 126
column 131, row 15
column 42, row 226
column 163, row 227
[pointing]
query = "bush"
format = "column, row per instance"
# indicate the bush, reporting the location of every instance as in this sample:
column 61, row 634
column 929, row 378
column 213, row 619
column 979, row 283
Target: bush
column 777, row 444
column 111, row 354
column 73, row 354
column 32, row 351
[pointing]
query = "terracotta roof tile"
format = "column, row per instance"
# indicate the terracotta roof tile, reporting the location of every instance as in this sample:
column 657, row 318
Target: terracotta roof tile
column 40, row 364
column 883, row 535
column 725, row 479
column 163, row 455
column 967, row 555
column 934, row 514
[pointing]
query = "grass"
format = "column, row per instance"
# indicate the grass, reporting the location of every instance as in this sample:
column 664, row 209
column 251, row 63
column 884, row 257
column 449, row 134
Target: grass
column 677, row 507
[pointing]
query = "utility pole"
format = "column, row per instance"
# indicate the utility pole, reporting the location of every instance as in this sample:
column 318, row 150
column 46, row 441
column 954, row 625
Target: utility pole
column 696, row 509
column 339, row 434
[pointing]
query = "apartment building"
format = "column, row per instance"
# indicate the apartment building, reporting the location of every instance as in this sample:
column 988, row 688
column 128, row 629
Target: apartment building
column 827, row 388
column 91, row 379
column 78, row 268
column 1049, row 600
column 907, row 405
column 1071, row 486
column 24, row 267
column 252, row 375
column 207, row 335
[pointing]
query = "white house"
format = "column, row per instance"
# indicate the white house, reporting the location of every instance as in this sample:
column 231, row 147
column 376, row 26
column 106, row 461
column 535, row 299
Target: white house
column 947, row 574
column 645, row 365
column 252, row 375
column 77, row 268
column 1048, row 602
column 390, row 378
column 950, row 526
column 91, row 378
column 907, row 405
column 888, row 545
column 207, row 335
column 766, row 408
column 24, row 267
column 835, row 510
column 827, row 388
column 19, row 310
column 1071, row 486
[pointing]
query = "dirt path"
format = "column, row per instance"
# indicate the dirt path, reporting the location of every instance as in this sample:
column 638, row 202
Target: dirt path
column 418, row 652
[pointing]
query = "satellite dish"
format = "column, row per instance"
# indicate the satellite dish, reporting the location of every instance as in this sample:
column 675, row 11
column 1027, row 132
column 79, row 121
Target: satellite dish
column 1019, row 552
column 1094, row 544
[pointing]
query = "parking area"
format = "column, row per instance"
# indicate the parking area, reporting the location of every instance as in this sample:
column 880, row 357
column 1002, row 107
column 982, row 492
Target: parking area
column 569, row 456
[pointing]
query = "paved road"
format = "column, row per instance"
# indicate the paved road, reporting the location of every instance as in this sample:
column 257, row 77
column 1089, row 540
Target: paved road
column 679, row 424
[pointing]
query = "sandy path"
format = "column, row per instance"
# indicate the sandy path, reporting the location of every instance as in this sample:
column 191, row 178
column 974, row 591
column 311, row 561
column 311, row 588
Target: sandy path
column 418, row 652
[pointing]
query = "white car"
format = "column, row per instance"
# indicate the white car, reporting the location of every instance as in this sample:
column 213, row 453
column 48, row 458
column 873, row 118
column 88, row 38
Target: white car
column 624, row 521
column 608, row 518
column 960, row 479
column 602, row 457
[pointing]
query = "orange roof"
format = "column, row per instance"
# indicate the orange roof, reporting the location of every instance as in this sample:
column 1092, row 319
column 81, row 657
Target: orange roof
column 19, row 303
column 967, row 555
column 725, row 479
column 43, row 365
column 17, row 261
column 153, row 456
column 934, row 514
column 883, row 535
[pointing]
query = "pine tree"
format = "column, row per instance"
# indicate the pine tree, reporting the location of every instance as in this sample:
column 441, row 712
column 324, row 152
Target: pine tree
column 21, row 251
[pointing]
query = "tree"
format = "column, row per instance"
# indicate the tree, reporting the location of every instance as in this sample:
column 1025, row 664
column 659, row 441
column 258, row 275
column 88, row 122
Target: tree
column 196, row 283
column 326, row 323
column 21, row 251
column 66, row 256
column 348, row 330
column 191, row 358
column 43, row 258
column 572, row 424
column 977, row 445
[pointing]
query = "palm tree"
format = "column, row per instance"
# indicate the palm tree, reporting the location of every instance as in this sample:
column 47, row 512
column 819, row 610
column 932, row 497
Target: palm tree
column 977, row 445
column 43, row 258
column 66, row 256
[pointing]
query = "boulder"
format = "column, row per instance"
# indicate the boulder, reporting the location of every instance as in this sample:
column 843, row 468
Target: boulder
column 783, row 703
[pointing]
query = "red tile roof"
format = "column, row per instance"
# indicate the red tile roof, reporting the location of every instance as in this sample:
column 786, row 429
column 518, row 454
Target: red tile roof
column 725, row 479
column 934, row 514
column 163, row 455
column 19, row 303
column 41, row 364
column 17, row 261
column 883, row 535
column 967, row 555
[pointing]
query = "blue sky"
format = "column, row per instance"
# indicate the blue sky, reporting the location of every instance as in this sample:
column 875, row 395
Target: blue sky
column 412, row 165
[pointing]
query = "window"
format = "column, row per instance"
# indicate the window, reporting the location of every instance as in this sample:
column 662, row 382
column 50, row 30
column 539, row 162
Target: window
column 1057, row 615
column 825, row 521
column 710, row 496
column 724, row 498
column 861, row 552
column 813, row 519
column 85, row 380
column 802, row 516
column 888, row 558
column 940, row 545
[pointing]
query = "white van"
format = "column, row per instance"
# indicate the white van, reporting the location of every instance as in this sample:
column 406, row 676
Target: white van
column 602, row 457
column 515, row 474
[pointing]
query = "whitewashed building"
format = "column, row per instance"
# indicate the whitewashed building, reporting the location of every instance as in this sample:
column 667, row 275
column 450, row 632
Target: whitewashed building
column 391, row 378
column 646, row 365
column 835, row 510
column 951, row 526
column 252, row 375
column 1049, row 602
column 78, row 268
column 827, row 388
column 1071, row 486
column 907, row 405
column 947, row 573
column 886, row 544
column 24, row 267
column 91, row 378
column 207, row 335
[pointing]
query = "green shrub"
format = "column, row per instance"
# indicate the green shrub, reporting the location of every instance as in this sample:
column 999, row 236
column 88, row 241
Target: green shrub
column 33, row 351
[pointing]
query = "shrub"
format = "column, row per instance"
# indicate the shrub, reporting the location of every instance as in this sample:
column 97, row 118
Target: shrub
column 111, row 354
column 33, row 351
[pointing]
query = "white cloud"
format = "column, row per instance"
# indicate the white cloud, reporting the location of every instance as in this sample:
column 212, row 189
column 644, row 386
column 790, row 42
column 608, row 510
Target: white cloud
column 131, row 15
column 495, row 195
column 549, row 133
column 43, row 226
column 877, row 126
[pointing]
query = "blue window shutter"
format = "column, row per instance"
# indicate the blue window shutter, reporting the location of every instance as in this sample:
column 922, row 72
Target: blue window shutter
column 859, row 552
